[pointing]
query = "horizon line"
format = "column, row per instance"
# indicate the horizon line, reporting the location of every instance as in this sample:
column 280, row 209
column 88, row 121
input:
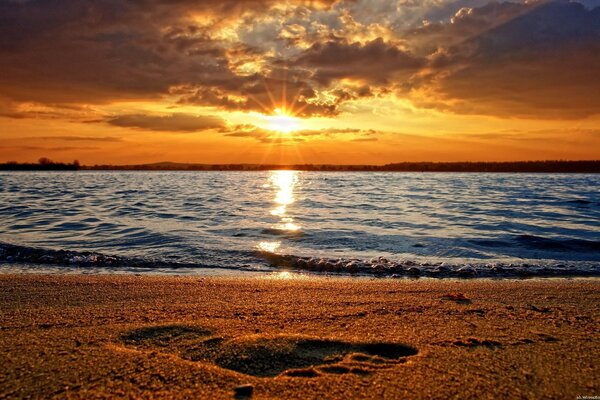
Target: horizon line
column 548, row 166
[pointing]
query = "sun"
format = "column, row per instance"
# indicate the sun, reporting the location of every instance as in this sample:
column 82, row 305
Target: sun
column 282, row 121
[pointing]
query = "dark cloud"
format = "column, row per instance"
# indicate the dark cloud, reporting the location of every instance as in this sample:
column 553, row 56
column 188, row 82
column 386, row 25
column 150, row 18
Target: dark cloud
column 289, row 89
column 542, row 63
column 94, row 51
column 464, row 24
column 375, row 61
column 169, row 123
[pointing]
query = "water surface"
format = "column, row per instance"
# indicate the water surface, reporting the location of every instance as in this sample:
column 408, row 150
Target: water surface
column 239, row 220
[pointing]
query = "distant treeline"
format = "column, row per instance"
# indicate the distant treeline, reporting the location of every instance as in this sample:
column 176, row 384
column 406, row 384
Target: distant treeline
column 518, row 166
column 44, row 164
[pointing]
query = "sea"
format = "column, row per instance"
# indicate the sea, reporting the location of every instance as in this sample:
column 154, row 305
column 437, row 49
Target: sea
column 375, row 224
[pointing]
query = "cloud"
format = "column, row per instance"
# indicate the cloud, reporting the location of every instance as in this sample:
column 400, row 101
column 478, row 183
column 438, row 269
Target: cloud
column 375, row 61
column 516, row 135
column 78, row 138
column 24, row 110
column 169, row 123
column 262, row 135
column 268, row 136
column 463, row 24
column 542, row 63
column 41, row 148
column 532, row 59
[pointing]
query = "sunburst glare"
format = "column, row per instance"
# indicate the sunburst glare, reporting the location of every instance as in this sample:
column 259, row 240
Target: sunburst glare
column 282, row 121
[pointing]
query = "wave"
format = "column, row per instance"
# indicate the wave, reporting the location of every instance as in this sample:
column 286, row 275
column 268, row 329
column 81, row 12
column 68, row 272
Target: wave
column 14, row 254
column 534, row 242
column 381, row 266
column 559, row 244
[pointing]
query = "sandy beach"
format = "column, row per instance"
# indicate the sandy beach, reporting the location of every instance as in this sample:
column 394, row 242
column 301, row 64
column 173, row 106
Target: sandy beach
column 107, row 336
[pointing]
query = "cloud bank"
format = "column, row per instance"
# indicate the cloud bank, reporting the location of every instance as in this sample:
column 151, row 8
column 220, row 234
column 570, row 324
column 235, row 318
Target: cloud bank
column 535, row 59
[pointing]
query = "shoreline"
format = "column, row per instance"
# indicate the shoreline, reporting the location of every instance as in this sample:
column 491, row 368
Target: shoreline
column 21, row 259
column 269, row 274
column 273, row 272
column 83, row 336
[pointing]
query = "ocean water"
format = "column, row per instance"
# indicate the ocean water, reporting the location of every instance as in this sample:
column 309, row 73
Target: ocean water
column 385, row 224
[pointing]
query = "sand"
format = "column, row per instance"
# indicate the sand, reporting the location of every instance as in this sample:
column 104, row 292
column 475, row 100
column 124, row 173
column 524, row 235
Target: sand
column 107, row 336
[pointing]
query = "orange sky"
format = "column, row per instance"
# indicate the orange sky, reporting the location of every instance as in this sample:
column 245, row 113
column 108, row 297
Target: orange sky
column 340, row 82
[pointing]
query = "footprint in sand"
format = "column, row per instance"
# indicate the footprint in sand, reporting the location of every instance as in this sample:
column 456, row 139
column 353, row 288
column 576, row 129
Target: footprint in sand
column 270, row 356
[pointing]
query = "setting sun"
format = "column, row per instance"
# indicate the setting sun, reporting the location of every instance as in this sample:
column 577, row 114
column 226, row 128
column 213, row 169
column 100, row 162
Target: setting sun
column 283, row 122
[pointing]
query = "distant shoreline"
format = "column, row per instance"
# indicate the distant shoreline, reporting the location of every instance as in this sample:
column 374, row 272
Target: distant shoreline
column 592, row 166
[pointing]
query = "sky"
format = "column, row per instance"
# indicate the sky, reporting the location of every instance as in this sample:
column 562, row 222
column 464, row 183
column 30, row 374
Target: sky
column 299, row 81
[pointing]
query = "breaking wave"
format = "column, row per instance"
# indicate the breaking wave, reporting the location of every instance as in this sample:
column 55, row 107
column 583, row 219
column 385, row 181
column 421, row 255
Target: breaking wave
column 381, row 266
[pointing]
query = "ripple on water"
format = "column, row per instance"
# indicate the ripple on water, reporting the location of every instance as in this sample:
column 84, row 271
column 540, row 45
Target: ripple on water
column 219, row 218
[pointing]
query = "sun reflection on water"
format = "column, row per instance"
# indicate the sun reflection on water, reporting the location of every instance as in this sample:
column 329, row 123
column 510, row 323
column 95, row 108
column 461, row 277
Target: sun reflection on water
column 283, row 182
column 286, row 276
column 270, row 247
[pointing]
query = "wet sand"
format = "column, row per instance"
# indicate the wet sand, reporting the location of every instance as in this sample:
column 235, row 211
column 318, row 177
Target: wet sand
column 77, row 336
